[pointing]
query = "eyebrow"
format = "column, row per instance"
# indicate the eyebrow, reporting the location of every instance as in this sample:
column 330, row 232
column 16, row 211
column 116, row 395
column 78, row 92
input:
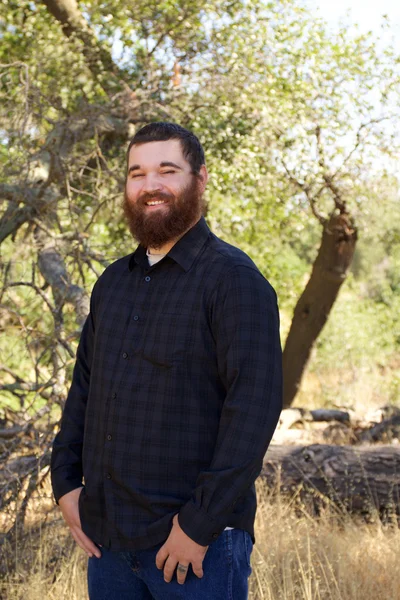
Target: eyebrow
column 170, row 164
column 165, row 163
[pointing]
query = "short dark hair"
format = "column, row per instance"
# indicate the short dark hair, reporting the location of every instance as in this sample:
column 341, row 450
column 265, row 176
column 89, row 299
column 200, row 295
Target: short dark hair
column 162, row 131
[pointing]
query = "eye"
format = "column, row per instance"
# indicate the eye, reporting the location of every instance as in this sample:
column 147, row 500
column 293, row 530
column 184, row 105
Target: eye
column 135, row 175
column 168, row 172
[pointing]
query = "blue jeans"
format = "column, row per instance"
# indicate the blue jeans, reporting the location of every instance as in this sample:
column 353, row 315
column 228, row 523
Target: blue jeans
column 134, row 575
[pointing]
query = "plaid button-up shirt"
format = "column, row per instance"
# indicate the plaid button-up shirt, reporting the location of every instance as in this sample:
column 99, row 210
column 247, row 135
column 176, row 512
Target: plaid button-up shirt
column 176, row 393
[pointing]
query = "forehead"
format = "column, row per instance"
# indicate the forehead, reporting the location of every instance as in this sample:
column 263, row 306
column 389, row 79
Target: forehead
column 153, row 153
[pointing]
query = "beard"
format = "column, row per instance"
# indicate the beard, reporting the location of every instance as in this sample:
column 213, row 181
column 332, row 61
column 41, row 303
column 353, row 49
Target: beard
column 154, row 229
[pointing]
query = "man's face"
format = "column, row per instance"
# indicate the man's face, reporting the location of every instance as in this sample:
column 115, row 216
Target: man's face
column 162, row 197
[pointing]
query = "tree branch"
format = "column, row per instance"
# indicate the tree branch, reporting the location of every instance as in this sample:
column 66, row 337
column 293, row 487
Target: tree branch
column 99, row 60
column 305, row 188
column 52, row 267
column 47, row 165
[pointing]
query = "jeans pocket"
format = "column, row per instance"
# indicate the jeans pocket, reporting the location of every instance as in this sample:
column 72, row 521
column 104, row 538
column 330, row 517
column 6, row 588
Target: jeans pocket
column 248, row 546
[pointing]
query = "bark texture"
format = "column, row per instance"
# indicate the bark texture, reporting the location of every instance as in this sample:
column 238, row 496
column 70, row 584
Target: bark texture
column 364, row 480
column 312, row 310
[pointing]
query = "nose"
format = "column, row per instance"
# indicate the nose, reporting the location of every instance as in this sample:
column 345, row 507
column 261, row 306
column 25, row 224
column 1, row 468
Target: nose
column 151, row 183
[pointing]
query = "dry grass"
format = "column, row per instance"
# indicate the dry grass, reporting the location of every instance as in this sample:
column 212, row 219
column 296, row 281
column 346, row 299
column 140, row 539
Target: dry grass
column 295, row 558
column 299, row 558
column 49, row 566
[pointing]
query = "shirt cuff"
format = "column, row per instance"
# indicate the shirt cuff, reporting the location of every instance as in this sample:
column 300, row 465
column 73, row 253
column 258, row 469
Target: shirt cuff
column 62, row 487
column 198, row 524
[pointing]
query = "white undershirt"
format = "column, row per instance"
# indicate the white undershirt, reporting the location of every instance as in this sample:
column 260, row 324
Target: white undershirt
column 153, row 259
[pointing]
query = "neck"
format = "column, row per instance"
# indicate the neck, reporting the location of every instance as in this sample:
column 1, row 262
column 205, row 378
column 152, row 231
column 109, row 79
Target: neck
column 162, row 249
column 165, row 248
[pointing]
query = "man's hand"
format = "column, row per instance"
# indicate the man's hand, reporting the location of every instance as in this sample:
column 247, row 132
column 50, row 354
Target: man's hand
column 181, row 550
column 70, row 511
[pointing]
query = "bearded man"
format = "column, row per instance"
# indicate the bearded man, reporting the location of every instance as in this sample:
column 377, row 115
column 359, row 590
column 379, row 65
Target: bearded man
column 176, row 393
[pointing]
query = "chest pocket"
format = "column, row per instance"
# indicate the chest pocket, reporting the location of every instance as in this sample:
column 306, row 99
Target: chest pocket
column 170, row 337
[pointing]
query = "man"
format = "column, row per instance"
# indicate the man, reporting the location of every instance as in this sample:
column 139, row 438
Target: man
column 175, row 396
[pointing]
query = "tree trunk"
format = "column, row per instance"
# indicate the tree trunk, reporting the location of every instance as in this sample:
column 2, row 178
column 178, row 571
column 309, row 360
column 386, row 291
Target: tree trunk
column 68, row 14
column 312, row 310
column 364, row 480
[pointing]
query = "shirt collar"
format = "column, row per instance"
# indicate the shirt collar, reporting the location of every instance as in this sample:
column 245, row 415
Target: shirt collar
column 184, row 252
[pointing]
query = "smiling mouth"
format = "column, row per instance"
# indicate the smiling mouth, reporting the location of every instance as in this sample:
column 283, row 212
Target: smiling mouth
column 155, row 202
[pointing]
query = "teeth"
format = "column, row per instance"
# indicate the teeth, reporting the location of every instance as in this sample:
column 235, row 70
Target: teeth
column 153, row 203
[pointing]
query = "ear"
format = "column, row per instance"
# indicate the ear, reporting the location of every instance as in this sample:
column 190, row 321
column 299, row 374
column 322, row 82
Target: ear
column 203, row 177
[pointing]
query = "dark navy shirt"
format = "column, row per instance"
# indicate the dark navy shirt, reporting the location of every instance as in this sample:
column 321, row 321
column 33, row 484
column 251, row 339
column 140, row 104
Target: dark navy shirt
column 175, row 396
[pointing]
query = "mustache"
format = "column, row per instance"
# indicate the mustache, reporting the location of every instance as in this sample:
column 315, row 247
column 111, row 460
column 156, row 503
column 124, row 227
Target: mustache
column 146, row 196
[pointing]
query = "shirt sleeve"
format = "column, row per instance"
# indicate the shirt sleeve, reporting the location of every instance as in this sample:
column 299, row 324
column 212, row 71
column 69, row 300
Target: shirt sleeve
column 66, row 458
column 245, row 325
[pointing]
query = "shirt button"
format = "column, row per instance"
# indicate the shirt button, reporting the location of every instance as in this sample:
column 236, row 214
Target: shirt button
column 108, row 475
column 147, row 278
column 109, row 437
column 136, row 318
column 125, row 355
column 215, row 535
column 114, row 395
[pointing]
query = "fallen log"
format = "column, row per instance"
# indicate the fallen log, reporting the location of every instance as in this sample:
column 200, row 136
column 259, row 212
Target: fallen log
column 363, row 480
column 291, row 416
column 385, row 431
